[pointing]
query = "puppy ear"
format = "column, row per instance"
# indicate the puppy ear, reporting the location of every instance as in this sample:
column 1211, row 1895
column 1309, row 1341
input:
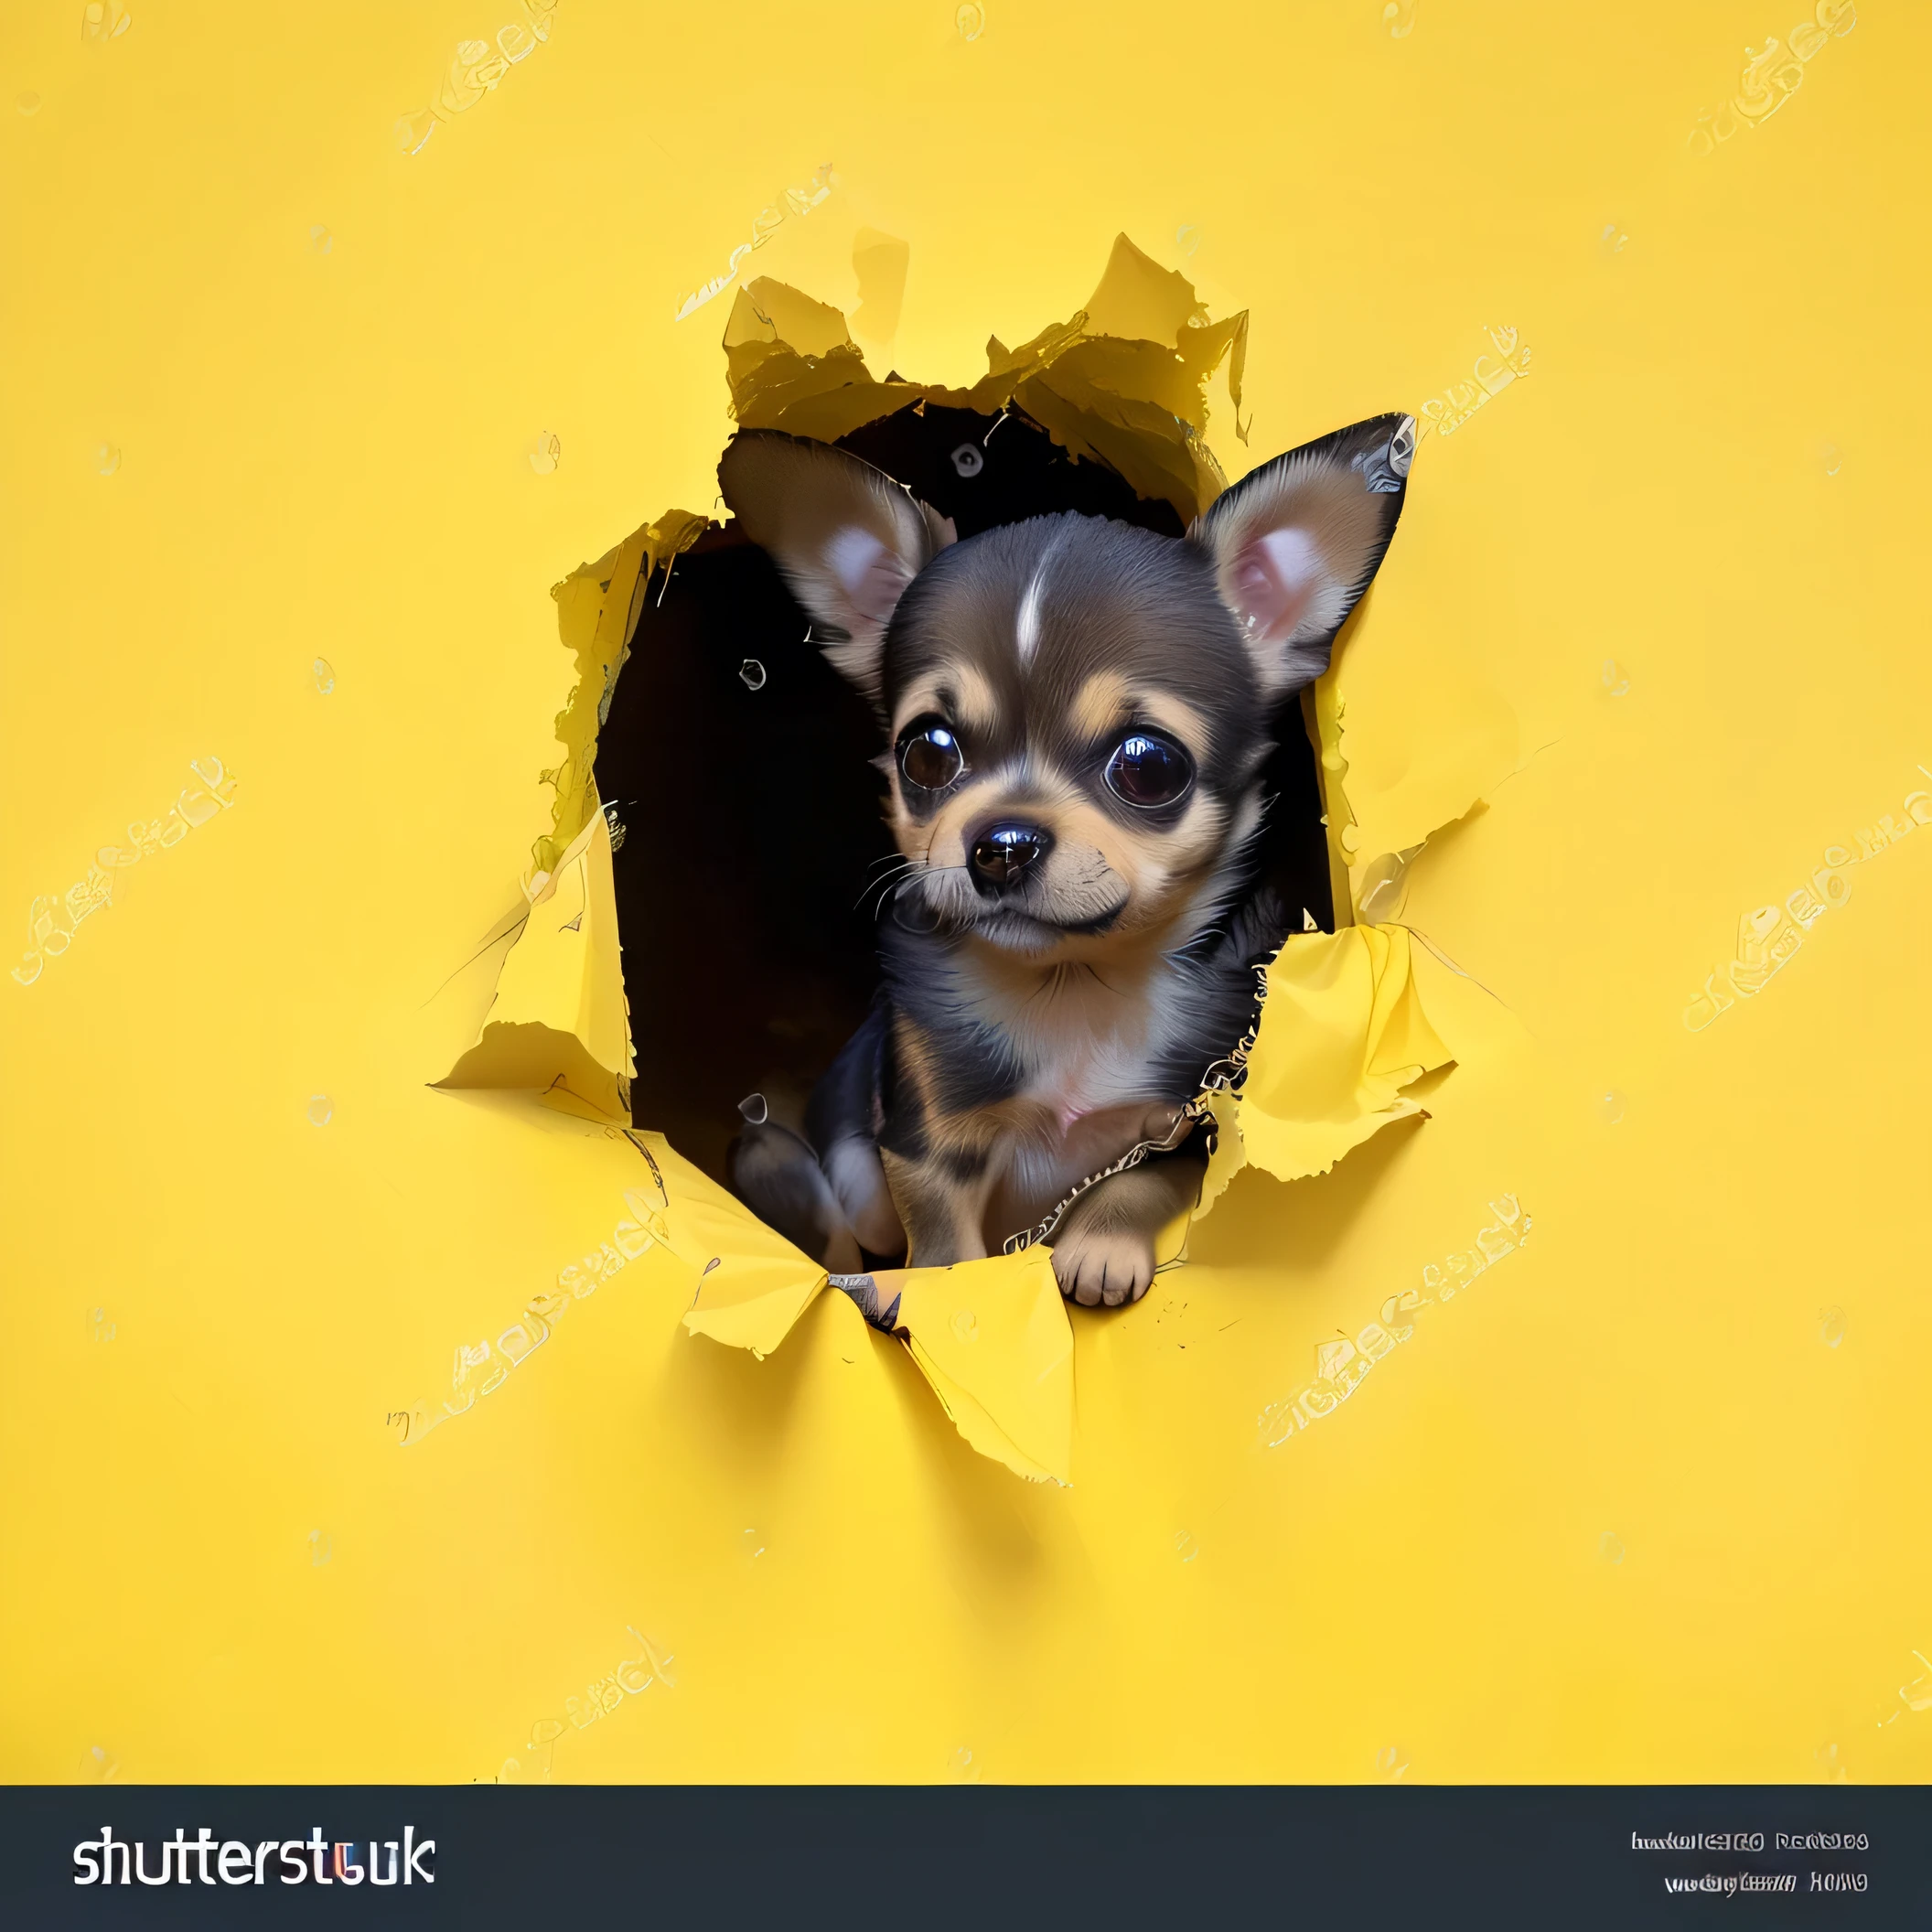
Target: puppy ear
column 846, row 537
column 1295, row 543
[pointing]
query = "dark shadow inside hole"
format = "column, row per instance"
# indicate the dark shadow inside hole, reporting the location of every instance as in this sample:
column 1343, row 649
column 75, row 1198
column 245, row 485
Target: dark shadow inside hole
column 739, row 763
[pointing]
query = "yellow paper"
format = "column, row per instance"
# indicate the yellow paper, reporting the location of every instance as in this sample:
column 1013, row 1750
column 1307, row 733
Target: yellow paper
column 1642, row 1499
column 1343, row 1031
column 753, row 1284
column 994, row 1339
column 559, row 1016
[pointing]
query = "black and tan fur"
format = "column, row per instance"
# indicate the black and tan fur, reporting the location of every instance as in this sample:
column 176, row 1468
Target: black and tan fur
column 1062, row 960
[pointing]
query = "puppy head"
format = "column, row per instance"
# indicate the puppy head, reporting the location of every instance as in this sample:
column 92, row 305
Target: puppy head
column 1079, row 710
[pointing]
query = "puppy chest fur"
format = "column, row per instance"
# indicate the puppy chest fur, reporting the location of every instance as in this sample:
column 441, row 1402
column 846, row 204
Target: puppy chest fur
column 1018, row 1079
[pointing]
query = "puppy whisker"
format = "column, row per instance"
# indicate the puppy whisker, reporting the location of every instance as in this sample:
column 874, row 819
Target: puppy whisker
column 882, row 886
column 924, row 869
column 895, row 884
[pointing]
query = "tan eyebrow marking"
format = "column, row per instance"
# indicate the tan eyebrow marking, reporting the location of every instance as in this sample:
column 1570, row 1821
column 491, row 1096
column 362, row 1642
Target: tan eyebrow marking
column 1101, row 701
column 1176, row 715
column 1106, row 699
column 972, row 704
column 979, row 707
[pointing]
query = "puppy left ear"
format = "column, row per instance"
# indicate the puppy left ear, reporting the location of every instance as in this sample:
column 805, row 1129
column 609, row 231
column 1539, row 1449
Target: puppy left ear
column 847, row 538
column 1297, row 541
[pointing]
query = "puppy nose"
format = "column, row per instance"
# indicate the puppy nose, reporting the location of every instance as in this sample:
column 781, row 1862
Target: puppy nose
column 1002, row 854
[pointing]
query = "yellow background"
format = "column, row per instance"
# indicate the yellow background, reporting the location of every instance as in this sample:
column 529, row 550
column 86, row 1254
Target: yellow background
column 325, row 454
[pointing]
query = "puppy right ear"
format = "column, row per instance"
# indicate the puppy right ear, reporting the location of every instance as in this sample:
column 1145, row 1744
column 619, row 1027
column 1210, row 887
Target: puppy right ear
column 1295, row 543
column 847, row 538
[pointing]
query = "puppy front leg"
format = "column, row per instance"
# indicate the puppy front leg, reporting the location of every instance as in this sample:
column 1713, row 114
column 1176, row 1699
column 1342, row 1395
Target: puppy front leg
column 1103, row 1250
column 941, row 1200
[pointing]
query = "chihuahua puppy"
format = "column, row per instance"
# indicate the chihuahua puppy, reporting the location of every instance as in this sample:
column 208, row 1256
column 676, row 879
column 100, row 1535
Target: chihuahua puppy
column 1077, row 714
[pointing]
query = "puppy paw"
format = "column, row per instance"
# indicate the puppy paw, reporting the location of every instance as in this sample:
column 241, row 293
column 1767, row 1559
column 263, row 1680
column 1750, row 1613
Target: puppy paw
column 1103, row 1269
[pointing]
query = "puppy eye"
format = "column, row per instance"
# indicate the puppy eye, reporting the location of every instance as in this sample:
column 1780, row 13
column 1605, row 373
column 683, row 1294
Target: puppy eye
column 930, row 756
column 1148, row 771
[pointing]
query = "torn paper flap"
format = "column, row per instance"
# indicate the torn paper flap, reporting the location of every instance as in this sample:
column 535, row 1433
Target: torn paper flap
column 753, row 1284
column 1343, row 1032
column 1125, row 385
column 559, row 1013
column 992, row 1338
